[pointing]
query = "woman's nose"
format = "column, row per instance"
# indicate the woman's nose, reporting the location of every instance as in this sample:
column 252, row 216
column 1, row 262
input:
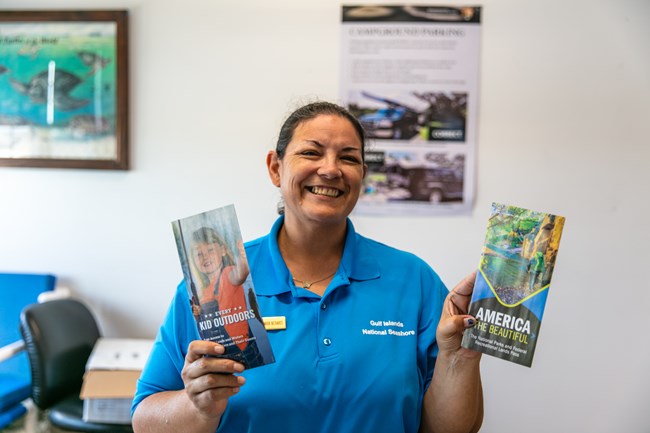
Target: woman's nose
column 330, row 168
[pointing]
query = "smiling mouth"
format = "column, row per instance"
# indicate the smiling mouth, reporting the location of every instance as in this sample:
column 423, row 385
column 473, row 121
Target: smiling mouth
column 328, row 192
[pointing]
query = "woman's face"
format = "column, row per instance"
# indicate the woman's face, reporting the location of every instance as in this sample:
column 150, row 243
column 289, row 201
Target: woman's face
column 321, row 174
column 208, row 257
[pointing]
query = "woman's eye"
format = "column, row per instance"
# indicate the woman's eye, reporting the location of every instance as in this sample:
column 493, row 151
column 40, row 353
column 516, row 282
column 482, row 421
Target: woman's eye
column 353, row 159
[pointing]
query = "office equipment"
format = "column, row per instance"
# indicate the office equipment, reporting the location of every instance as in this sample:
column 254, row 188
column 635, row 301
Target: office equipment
column 112, row 372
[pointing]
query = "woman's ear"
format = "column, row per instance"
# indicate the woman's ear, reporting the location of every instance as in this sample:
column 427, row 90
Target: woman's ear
column 273, row 166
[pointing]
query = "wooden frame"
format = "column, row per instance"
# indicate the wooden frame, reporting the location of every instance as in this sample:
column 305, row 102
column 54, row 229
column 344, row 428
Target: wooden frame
column 64, row 89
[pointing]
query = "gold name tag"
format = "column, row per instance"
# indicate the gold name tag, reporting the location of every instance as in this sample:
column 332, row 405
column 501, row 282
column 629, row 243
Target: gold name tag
column 273, row 323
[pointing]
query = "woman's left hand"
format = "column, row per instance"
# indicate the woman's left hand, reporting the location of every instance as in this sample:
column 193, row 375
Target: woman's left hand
column 454, row 401
column 455, row 320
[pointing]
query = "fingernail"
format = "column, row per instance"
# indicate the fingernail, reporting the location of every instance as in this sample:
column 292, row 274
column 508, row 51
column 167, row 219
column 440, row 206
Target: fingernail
column 219, row 349
column 238, row 367
column 241, row 380
column 469, row 322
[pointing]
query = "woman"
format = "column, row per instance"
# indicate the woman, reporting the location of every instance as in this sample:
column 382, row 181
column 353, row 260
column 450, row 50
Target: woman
column 365, row 323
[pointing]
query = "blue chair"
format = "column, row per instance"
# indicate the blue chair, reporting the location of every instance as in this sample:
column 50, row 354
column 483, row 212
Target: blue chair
column 16, row 292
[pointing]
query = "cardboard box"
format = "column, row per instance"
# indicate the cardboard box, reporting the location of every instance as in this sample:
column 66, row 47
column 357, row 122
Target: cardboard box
column 111, row 374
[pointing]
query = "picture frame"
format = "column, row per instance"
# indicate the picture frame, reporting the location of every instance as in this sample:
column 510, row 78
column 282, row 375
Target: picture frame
column 64, row 89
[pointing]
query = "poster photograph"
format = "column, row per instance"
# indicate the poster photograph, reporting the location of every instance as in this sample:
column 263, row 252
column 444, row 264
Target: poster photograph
column 410, row 75
column 410, row 176
column 63, row 89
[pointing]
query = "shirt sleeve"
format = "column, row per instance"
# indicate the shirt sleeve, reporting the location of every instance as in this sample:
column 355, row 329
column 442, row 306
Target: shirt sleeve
column 162, row 371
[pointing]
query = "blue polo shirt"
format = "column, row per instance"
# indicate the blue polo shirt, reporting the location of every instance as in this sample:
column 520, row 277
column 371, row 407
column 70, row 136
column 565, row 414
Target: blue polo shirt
column 359, row 359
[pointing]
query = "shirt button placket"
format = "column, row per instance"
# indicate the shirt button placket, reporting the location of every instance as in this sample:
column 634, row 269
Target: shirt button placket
column 326, row 340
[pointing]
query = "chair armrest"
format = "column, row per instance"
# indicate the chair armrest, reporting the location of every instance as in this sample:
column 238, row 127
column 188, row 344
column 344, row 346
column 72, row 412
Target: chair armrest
column 60, row 292
column 12, row 349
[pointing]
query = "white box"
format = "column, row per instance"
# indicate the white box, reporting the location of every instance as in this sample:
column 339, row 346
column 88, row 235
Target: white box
column 111, row 374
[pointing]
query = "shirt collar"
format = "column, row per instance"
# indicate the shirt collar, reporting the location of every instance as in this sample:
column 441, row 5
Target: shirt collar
column 357, row 264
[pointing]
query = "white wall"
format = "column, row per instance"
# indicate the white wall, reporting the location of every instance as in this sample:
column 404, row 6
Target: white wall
column 564, row 127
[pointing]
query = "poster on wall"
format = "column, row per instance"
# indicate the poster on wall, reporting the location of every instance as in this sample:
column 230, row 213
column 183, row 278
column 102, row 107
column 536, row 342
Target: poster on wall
column 410, row 75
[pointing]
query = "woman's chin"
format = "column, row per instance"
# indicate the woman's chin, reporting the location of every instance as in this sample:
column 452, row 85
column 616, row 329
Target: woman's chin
column 328, row 215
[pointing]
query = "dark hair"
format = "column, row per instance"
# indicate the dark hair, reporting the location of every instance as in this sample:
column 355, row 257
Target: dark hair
column 310, row 111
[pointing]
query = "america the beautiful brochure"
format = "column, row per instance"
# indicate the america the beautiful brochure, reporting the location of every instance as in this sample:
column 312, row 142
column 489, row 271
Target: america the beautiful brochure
column 513, row 281
column 219, row 285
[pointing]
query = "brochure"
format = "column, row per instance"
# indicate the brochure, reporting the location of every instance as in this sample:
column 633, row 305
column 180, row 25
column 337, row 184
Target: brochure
column 219, row 285
column 512, row 284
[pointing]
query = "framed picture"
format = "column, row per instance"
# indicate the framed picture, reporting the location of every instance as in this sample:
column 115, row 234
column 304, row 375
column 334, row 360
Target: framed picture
column 64, row 89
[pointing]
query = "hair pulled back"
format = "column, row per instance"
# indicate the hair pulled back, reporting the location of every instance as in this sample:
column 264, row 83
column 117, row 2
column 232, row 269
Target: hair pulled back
column 310, row 111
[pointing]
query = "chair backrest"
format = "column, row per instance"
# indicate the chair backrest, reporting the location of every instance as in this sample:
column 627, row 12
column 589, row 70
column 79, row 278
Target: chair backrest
column 16, row 292
column 59, row 337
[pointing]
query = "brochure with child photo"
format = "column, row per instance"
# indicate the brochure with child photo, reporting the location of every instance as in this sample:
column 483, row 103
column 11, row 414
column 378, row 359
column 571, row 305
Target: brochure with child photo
column 219, row 285
column 513, row 281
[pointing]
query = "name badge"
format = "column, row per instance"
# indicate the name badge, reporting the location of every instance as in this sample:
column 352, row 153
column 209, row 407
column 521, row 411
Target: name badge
column 273, row 323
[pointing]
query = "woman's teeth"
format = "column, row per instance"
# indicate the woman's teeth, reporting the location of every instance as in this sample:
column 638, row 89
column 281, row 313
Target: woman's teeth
column 329, row 192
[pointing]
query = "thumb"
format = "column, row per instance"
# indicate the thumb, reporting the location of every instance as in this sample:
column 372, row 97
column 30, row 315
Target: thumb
column 451, row 328
column 462, row 322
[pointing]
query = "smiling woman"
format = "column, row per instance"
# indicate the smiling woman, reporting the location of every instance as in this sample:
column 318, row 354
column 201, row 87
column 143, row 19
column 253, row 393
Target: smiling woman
column 349, row 305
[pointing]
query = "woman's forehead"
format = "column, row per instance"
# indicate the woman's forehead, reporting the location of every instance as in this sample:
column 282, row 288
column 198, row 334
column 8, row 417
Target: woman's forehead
column 328, row 129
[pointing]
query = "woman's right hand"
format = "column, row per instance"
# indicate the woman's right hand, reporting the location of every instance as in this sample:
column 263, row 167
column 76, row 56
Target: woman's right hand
column 210, row 381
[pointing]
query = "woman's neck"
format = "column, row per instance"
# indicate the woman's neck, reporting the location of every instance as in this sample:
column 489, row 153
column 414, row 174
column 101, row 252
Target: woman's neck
column 311, row 253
